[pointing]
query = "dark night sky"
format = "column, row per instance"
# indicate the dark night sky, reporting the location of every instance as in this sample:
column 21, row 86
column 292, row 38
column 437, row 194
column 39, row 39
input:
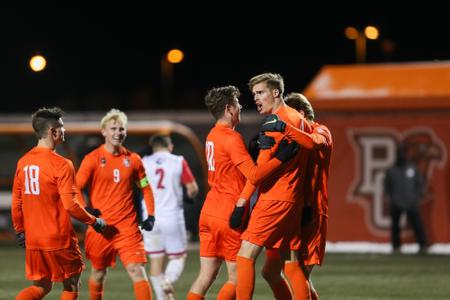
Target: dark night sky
column 100, row 57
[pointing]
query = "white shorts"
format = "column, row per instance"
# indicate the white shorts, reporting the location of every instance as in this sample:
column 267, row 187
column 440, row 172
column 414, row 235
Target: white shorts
column 167, row 237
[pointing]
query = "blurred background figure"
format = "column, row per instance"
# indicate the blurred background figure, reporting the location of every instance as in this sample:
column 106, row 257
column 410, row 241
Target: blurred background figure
column 168, row 173
column 403, row 184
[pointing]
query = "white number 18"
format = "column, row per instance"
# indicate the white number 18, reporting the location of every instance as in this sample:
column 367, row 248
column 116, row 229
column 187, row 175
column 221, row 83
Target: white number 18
column 31, row 179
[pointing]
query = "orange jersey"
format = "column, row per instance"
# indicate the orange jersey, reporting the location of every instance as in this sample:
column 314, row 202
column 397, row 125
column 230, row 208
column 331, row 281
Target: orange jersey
column 285, row 183
column 112, row 178
column 229, row 164
column 44, row 197
column 318, row 166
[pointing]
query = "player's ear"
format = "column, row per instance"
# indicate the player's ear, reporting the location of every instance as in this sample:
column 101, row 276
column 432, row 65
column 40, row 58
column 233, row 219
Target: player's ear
column 53, row 132
column 276, row 92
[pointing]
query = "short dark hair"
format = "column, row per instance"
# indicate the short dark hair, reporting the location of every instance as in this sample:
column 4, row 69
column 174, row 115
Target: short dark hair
column 44, row 118
column 160, row 141
column 272, row 80
column 300, row 103
column 217, row 98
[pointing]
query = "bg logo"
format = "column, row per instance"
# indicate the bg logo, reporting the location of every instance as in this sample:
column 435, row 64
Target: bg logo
column 375, row 151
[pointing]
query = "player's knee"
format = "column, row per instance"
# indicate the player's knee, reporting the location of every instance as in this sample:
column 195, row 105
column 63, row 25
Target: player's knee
column 136, row 272
column 174, row 268
column 72, row 284
column 45, row 285
column 98, row 275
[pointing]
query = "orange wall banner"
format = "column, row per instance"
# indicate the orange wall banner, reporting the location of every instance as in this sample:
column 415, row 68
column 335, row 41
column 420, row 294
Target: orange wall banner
column 364, row 147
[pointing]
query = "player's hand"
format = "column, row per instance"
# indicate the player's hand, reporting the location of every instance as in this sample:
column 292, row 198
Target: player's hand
column 265, row 141
column 307, row 215
column 148, row 223
column 20, row 238
column 272, row 123
column 236, row 217
column 286, row 150
column 93, row 211
column 99, row 225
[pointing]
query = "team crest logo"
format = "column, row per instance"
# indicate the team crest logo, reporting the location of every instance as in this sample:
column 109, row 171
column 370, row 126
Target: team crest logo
column 102, row 162
column 375, row 151
column 126, row 162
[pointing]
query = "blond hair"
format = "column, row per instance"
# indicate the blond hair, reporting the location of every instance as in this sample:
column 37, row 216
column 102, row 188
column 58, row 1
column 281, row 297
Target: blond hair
column 115, row 115
column 272, row 80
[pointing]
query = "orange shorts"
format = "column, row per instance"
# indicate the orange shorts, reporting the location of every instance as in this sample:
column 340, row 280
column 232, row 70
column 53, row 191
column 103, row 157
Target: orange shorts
column 101, row 249
column 271, row 224
column 312, row 249
column 217, row 239
column 56, row 265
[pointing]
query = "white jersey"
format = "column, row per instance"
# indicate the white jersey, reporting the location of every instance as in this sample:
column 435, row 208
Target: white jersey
column 167, row 173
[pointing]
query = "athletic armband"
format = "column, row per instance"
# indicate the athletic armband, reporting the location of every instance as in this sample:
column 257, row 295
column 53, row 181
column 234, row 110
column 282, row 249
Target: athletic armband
column 143, row 182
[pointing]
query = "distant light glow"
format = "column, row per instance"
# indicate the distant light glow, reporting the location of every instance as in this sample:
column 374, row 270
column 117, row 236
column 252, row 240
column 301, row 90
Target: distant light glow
column 351, row 33
column 371, row 32
column 175, row 56
column 38, row 63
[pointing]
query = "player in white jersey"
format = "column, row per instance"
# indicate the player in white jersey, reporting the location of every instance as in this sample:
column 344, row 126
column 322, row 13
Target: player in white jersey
column 167, row 174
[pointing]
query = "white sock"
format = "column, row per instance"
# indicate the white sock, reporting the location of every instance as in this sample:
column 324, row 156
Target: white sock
column 174, row 268
column 156, row 285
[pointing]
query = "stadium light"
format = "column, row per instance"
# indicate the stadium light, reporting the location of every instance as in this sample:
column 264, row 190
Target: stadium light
column 37, row 63
column 175, row 56
column 360, row 38
column 168, row 61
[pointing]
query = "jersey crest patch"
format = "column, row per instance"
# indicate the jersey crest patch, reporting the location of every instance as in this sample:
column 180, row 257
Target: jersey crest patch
column 126, row 162
column 102, row 162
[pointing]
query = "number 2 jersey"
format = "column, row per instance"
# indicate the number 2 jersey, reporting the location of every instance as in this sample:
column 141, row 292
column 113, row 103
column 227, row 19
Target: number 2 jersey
column 44, row 197
column 112, row 179
column 167, row 174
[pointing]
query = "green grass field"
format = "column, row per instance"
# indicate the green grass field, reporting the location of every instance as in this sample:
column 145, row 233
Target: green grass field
column 343, row 277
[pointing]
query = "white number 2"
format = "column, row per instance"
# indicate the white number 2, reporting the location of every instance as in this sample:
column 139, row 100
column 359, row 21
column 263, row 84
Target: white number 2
column 116, row 173
column 31, row 179
column 210, row 155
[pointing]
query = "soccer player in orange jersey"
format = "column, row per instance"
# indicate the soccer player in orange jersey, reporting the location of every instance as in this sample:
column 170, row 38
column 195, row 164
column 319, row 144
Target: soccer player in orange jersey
column 44, row 198
column 111, row 171
column 229, row 164
column 315, row 213
column 280, row 200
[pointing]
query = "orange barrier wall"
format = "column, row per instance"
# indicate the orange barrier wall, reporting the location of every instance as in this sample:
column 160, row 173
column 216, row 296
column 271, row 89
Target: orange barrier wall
column 364, row 146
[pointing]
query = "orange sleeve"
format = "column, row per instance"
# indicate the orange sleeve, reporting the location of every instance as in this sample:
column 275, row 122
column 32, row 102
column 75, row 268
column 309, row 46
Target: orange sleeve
column 83, row 177
column 85, row 172
column 69, row 191
column 256, row 173
column 248, row 190
column 144, row 184
column 16, row 205
column 309, row 141
column 244, row 162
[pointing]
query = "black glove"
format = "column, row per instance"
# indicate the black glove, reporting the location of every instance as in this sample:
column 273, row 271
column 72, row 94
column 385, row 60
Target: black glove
column 286, row 150
column 253, row 148
column 236, row 217
column 307, row 215
column 20, row 238
column 273, row 123
column 99, row 225
column 148, row 223
column 265, row 141
column 93, row 211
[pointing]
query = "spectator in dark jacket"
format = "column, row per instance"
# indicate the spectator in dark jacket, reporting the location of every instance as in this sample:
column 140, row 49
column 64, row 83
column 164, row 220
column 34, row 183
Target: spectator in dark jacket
column 403, row 185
